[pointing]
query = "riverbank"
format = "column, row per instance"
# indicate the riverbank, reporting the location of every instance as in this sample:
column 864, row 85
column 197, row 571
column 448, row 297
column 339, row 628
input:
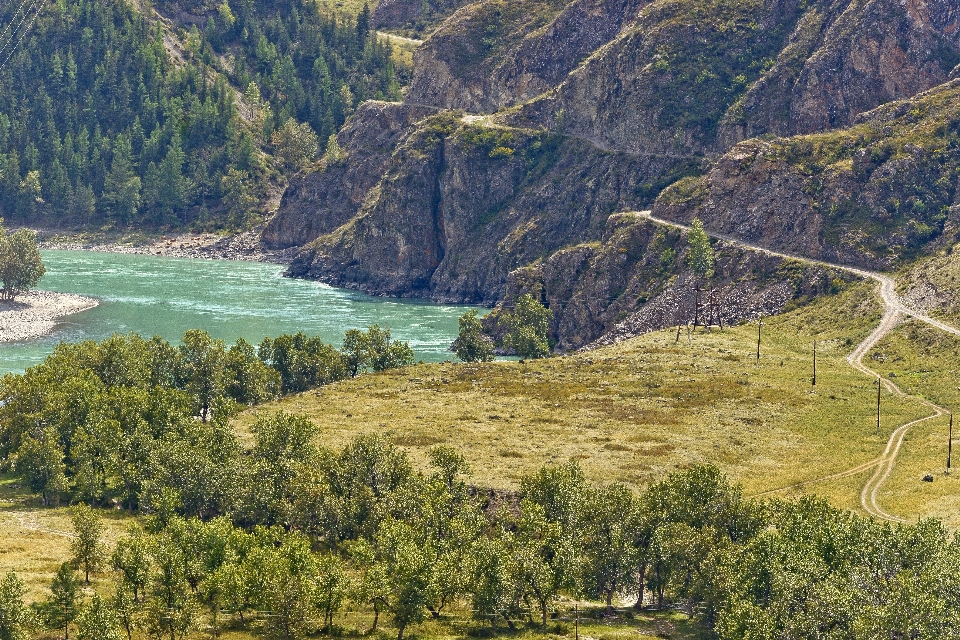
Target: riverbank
column 244, row 246
column 37, row 313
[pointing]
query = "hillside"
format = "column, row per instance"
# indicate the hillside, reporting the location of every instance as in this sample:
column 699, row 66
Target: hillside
column 527, row 125
column 173, row 115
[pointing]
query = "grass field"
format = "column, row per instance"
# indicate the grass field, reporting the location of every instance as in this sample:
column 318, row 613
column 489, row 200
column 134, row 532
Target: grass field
column 636, row 411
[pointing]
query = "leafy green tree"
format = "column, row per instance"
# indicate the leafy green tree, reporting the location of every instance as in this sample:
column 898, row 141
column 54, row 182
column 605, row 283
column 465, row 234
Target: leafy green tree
column 495, row 593
column 528, row 328
column 87, row 546
column 472, row 345
column 21, row 266
column 131, row 558
column 171, row 610
column 16, row 620
column 374, row 349
column 65, row 599
column 121, row 187
column 610, row 556
column 333, row 153
column 238, row 197
column 249, row 380
column 699, row 253
column 332, row 587
column 295, row 144
column 407, row 569
column 41, row 461
column 700, row 259
column 98, row 621
column 302, row 362
column 202, row 373
column 543, row 558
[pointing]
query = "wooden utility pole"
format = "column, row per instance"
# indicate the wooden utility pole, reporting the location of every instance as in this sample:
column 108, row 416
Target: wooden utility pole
column 576, row 622
column 814, row 363
column 879, row 386
column 950, row 442
column 759, row 325
column 679, row 324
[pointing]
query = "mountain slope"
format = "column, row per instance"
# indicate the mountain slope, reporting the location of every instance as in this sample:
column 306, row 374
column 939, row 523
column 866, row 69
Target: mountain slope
column 587, row 108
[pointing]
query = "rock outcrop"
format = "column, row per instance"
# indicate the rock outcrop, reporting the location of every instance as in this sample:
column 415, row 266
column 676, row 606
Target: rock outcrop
column 870, row 195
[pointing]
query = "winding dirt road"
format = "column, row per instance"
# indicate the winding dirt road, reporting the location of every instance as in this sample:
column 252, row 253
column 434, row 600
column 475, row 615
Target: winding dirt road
column 894, row 311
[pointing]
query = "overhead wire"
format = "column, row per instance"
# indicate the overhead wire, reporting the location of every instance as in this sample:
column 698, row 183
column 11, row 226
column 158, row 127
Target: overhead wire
column 35, row 8
column 3, row 34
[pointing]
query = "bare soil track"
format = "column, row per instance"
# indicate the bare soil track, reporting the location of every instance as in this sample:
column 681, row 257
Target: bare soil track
column 894, row 312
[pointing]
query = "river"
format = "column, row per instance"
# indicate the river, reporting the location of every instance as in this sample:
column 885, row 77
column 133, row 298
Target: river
column 153, row 295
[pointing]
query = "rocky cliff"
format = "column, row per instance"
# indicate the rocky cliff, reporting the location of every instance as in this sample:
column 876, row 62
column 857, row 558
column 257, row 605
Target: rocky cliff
column 870, row 195
column 527, row 124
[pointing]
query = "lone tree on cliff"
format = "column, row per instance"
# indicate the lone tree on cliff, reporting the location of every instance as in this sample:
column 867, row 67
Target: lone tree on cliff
column 20, row 265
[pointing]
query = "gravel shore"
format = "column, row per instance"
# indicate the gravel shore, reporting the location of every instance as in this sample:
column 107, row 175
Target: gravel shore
column 245, row 246
column 36, row 313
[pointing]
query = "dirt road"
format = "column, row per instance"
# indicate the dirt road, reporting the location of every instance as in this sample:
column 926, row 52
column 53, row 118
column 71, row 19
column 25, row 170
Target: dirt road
column 894, row 312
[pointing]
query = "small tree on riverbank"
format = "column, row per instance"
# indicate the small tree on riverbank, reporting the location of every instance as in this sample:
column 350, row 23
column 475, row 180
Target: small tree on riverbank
column 20, row 265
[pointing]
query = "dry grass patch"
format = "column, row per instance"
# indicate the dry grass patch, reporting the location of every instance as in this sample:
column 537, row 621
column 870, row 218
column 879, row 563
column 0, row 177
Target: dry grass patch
column 636, row 411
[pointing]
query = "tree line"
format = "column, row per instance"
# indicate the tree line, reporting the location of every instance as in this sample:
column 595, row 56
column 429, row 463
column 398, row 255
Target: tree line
column 134, row 420
column 360, row 528
column 99, row 123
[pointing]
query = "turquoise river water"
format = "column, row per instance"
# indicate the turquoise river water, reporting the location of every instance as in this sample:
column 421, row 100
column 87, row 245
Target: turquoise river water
column 166, row 296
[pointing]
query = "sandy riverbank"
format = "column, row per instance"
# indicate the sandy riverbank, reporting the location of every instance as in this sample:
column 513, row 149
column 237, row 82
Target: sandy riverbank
column 36, row 313
column 244, row 246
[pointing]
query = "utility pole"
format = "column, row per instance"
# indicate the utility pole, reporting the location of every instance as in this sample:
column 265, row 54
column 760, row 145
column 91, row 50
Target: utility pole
column 814, row 363
column 950, row 442
column 576, row 622
column 759, row 325
column 879, row 386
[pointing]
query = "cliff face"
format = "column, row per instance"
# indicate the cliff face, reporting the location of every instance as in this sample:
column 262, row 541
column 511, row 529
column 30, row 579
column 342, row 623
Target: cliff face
column 463, row 205
column 527, row 124
column 320, row 201
column 871, row 195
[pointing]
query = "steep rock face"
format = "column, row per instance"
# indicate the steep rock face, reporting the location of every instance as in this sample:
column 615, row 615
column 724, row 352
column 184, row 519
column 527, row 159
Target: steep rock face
column 845, row 58
column 870, row 195
column 318, row 202
column 495, row 54
column 463, row 205
column 694, row 78
column 633, row 281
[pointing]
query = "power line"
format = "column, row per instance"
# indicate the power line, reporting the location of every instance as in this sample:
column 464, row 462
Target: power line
column 36, row 7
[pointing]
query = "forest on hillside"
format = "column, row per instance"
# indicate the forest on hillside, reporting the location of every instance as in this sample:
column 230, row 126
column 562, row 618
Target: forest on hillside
column 108, row 116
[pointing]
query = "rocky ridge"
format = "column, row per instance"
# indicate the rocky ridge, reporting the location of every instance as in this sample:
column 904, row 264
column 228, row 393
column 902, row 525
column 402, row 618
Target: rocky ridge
column 528, row 124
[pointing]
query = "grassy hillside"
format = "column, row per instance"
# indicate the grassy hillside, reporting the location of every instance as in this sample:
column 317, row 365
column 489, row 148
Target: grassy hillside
column 636, row 411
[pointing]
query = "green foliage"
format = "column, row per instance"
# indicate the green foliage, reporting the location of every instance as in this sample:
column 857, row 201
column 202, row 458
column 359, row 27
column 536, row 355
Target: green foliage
column 98, row 621
column 303, row 362
column 699, row 253
column 65, row 597
column 16, row 621
column 99, row 124
column 87, row 546
column 528, row 328
column 295, row 144
column 375, row 350
column 472, row 344
column 21, row 266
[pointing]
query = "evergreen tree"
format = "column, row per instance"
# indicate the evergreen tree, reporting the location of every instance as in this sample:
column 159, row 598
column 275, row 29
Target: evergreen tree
column 65, row 599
